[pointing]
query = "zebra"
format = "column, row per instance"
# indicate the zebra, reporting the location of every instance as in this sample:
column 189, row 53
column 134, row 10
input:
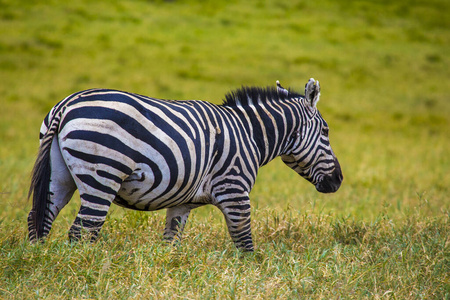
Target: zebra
column 148, row 154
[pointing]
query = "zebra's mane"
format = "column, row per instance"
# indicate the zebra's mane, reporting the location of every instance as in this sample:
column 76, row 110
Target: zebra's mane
column 253, row 95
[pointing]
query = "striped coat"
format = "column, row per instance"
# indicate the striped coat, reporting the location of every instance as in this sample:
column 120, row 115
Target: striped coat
column 148, row 154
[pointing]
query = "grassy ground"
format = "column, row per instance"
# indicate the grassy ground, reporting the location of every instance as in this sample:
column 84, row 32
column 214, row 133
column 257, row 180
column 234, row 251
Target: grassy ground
column 384, row 72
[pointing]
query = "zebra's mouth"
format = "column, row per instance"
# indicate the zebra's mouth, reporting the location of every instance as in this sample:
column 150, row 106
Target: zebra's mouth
column 332, row 182
column 326, row 186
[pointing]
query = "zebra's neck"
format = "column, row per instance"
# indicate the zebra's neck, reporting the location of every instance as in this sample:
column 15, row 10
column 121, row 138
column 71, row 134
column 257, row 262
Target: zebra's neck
column 270, row 125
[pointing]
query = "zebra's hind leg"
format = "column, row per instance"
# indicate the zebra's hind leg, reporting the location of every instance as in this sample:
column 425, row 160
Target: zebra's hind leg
column 90, row 218
column 237, row 217
column 96, row 198
column 176, row 218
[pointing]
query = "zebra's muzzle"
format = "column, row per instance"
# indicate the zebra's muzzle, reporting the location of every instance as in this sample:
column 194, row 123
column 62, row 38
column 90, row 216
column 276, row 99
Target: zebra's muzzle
column 331, row 183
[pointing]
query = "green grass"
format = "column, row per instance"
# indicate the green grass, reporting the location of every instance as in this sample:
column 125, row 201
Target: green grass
column 384, row 70
column 299, row 255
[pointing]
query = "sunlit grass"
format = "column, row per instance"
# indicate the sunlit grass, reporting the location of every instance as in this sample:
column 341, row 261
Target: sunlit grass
column 298, row 255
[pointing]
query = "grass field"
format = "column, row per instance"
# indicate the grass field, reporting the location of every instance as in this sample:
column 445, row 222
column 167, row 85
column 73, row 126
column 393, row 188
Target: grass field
column 384, row 69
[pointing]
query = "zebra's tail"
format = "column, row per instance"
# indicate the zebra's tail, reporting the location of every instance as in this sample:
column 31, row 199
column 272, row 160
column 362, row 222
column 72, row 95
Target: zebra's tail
column 40, row 183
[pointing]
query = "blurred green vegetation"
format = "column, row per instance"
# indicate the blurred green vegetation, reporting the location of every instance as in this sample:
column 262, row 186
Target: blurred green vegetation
column 384, row 69
column 382, row 64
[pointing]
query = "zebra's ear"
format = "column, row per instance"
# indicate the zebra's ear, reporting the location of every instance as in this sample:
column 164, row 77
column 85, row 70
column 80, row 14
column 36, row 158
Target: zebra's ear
column 282, row 90
column 312, row 92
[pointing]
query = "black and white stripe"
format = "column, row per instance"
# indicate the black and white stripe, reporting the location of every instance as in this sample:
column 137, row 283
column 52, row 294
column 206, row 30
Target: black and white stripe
column 147, row 154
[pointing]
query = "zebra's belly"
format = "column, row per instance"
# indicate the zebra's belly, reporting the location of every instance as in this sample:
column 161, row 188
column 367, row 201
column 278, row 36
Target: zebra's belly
column 143, row 191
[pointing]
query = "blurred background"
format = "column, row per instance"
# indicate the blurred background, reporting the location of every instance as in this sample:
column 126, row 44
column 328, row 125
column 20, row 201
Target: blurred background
column 383, row 68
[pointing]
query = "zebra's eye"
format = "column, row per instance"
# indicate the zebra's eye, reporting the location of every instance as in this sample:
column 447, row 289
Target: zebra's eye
column 325, row 131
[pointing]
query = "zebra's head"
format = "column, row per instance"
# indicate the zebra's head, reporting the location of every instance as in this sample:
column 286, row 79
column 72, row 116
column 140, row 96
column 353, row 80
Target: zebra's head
column 309, row 152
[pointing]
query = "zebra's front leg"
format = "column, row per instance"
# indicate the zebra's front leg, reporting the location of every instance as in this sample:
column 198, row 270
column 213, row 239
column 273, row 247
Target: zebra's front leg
column 176, row 218
column 237, row 217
